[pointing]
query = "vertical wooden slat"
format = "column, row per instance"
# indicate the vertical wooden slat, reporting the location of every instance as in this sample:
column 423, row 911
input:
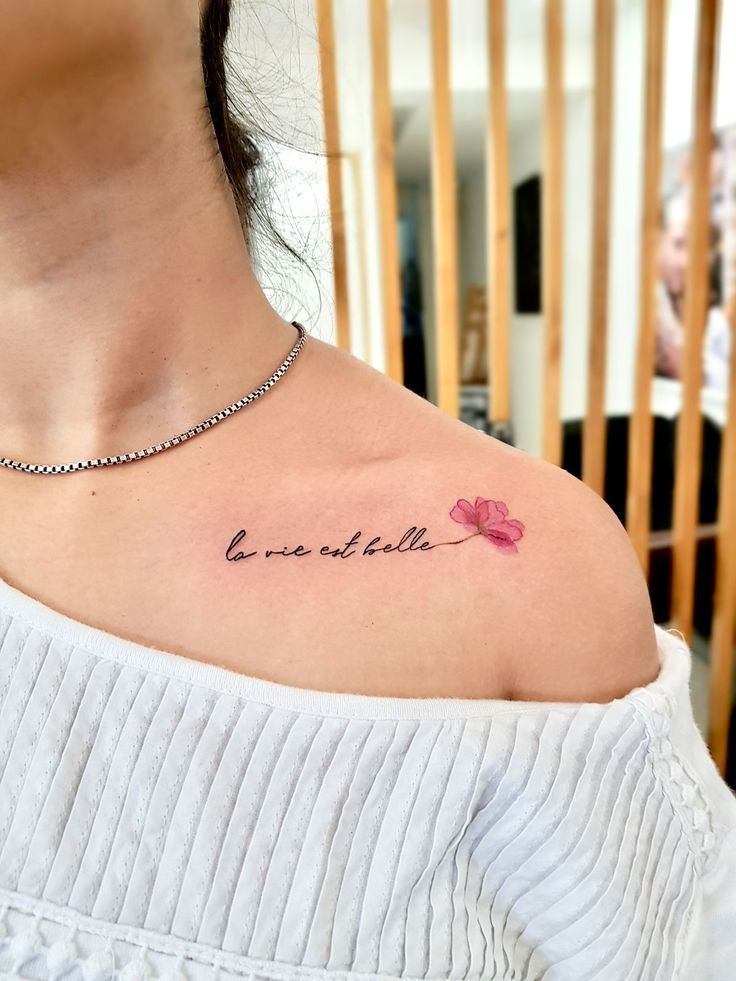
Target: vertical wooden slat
column 386, row 185
column 594, row 430
column 444, row 219
column 553, row 229
column 328, row 72
column 497, row 156
column 689, row 426
column 724, row 609
column 638, row 501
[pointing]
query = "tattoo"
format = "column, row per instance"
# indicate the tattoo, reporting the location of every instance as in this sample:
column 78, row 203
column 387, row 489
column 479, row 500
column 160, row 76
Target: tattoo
column 490, row 519
column 485, row 517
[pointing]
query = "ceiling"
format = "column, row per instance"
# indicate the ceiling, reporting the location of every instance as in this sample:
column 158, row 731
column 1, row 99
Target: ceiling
column 411, row 73
column 412, row 128
column 524, row 18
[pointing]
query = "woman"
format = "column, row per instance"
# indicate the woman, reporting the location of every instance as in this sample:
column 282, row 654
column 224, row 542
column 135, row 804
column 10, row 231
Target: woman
column 337, row 686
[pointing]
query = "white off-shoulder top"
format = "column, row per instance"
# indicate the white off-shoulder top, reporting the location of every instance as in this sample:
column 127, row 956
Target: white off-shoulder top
column 166, row 818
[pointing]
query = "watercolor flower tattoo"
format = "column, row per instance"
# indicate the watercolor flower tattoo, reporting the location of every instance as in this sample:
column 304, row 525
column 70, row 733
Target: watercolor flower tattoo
column 489, row 519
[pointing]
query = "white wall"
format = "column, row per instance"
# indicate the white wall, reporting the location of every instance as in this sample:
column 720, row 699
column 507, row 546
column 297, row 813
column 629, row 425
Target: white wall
column 526, row 350
column 626, row 176
column 679, row 70
column 527, row 330
column 577, row 258
column 355, row 87
column 472, row 230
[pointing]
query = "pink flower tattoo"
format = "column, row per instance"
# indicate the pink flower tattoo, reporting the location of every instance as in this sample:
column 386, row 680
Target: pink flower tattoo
column 489, row 519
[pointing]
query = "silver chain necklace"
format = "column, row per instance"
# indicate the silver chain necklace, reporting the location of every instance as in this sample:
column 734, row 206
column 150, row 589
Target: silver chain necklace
column 109, row 461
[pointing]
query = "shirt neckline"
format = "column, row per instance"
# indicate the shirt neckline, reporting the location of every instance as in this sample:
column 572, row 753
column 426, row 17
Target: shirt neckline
column 57, row 625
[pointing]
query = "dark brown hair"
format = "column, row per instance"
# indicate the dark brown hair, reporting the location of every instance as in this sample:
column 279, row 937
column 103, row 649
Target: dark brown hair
column 238, row 134
column 238, row 150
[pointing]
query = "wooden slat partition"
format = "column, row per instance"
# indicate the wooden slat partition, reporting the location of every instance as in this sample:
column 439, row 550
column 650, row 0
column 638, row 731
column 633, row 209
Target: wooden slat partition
column 594, row 430
column 498, row 276
column 387, row 196
column 553, row 229
column 328, row 73
column 724, row 610
column 638, row 501
column 444, row 217
column 689, row 427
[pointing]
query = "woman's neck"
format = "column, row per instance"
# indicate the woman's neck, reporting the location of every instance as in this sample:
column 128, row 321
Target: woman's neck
column 128, row 306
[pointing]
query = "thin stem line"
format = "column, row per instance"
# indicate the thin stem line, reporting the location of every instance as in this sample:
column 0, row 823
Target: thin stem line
column 458, row 542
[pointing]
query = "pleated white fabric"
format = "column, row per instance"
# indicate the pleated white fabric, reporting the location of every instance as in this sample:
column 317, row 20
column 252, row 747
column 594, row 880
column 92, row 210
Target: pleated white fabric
column 160, row 817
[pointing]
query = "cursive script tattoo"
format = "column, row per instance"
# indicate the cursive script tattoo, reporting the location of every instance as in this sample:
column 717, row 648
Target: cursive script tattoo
column 485, row 518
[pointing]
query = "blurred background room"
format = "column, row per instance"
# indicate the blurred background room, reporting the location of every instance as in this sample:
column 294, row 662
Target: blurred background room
column 525, row 211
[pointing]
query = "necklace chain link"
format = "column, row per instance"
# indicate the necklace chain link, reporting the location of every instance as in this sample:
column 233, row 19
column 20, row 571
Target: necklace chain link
column 109, row 461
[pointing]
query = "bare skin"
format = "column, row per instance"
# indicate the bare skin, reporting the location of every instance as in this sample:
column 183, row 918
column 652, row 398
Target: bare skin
column 129, row 311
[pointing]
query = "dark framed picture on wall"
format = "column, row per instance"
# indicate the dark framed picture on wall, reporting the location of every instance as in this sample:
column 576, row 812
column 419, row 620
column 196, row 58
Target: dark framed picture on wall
column 528, row 245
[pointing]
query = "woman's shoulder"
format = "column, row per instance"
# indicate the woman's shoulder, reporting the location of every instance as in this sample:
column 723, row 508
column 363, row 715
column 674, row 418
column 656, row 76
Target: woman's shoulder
column 550, row 583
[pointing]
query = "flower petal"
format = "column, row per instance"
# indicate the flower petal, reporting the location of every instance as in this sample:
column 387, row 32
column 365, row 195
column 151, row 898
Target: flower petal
column 482, row 510
column 495, row 514
column 464, row 513
column 500, row 539
column 514, row 527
